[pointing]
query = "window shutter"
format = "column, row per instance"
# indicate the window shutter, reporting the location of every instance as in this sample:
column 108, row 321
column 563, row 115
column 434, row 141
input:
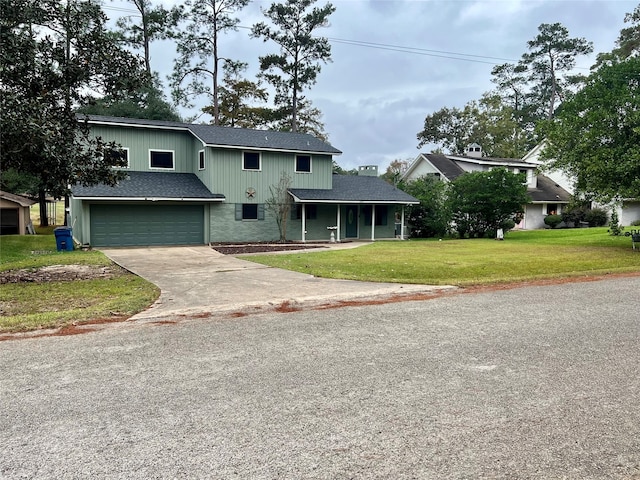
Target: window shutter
column 238, row 211
column 261, row 211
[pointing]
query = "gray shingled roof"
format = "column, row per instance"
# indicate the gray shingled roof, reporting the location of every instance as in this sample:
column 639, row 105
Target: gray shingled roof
column 213, row 135
column 355, row 189
column 450, row 169
column 548, row 191
column 148, row 185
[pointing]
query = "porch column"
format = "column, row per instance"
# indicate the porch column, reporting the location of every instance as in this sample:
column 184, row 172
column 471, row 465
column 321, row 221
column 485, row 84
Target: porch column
column 373, row 222
column 402, row 224
column 338, row 224
column 304, row 223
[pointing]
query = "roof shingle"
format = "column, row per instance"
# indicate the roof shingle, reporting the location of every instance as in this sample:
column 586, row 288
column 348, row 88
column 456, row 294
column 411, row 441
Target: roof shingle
column 216, row 136
column 355, row 189
column 152, row 185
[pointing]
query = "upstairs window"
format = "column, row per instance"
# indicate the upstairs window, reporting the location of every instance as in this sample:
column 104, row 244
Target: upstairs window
column 251, row 161
column 303, row 164
column 201, row 160
column 161, row 159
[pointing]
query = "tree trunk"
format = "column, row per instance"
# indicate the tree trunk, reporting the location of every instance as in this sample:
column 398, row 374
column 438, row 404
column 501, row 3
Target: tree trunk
column 42, row 200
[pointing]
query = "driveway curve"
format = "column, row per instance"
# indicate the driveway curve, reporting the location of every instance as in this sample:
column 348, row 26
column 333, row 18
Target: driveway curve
column 197, row 280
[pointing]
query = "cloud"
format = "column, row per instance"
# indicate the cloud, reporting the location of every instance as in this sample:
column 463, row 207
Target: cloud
column 376, row 92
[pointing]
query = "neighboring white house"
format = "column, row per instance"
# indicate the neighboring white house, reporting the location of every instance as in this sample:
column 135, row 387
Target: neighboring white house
column 547, row 195
column 628, row 209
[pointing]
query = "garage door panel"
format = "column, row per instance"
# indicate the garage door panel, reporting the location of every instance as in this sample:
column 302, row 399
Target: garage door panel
column 132, row 225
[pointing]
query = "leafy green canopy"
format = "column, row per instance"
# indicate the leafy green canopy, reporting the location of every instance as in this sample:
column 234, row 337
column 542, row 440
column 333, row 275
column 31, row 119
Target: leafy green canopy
column 595, row 135
column 431, row 217
column 55, row 56
column 483, row 202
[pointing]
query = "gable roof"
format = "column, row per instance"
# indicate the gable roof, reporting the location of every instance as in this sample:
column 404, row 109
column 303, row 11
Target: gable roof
column 354, row 189
column 228, row 137
column 548, row 191
column 447, row 167
column 22, row 201
column 151, row 186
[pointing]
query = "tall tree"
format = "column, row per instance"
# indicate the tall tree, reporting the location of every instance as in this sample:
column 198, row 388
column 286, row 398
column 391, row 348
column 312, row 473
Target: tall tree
column 595, row 136
column 198, row 48
column 627, row 43
column 238, row 97
column 152, row 23
column 551, row 57
column 309, row 119
column 298, row 64
column 54, row 57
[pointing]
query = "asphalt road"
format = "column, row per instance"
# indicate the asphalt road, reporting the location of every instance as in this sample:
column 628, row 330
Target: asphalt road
column 536, row 382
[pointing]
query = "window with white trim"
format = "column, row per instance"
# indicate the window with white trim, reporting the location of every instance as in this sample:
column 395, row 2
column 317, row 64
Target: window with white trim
column 161, row 159
column 251, row 160
column 201, row 163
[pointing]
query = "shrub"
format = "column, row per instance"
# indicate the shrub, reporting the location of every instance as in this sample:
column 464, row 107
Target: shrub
column 636, row 223
column 574, row 215
column 553, row 220
column 615, row 228
column 596, row 217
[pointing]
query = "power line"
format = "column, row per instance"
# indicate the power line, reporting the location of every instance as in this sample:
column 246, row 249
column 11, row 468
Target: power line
column 422, row 51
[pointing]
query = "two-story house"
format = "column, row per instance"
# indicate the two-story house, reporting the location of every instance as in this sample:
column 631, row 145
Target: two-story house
column 195, row 184
column 547, row 196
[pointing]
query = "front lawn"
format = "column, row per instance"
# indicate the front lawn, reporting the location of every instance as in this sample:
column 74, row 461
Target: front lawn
column 522, row 256
column 29, row 302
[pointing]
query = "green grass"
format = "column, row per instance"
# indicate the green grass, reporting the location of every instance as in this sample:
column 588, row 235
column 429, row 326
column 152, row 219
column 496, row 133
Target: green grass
column 28, row 306
column 522, row 256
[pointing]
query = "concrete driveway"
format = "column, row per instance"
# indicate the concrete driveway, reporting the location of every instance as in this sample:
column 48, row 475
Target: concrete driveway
column 197, row 280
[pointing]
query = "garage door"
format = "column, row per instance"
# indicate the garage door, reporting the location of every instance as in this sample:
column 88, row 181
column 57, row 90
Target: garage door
column 130, row 225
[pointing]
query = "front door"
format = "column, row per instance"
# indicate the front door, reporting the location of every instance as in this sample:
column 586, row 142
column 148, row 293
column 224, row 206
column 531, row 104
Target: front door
column 351, row 230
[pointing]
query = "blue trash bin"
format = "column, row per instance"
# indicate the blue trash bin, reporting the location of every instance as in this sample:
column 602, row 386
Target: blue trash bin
column 64, row 238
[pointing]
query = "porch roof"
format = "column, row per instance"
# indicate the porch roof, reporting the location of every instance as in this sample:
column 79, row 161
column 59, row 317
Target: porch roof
column 354, row 189
column 150, row 186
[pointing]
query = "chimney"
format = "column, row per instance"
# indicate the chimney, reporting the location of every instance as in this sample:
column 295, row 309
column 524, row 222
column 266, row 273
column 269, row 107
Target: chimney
column 368, row 170
column 474, row 150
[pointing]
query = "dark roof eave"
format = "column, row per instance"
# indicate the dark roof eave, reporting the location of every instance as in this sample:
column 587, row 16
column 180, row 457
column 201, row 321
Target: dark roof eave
column 357, row 202
column 152, row 199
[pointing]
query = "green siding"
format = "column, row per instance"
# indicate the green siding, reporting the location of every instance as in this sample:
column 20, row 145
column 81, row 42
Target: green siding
column 140, row 140
column 225, row 228
column 139, row 224
column 224, row 174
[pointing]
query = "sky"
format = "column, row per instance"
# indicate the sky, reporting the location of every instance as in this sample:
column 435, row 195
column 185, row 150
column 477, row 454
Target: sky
column 420, row 56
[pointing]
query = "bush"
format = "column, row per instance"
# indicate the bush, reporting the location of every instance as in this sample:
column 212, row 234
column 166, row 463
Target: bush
column 596, row 217
column 574, row 215
column 636, row 223
column 553, row 220
column 615, row 228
